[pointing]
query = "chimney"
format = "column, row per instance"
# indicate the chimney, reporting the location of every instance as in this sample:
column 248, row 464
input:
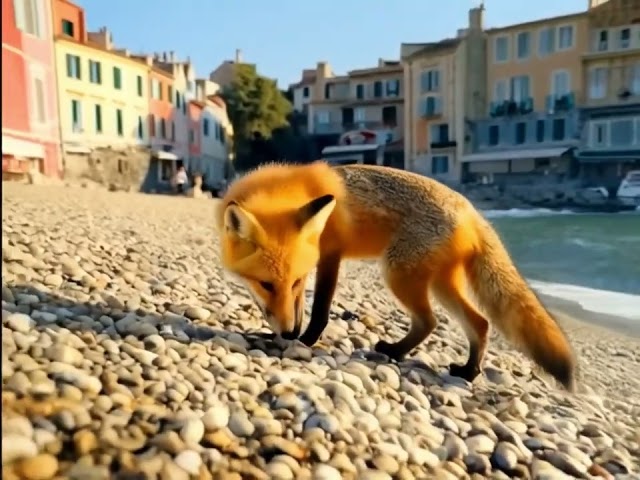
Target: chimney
column 238, row 56
column 164, row 57
column 476, row 18
column 323, row 70
column 172, row 56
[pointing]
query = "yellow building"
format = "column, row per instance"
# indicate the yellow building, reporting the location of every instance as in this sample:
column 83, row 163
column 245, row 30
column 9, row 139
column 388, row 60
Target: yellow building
column 610, row 144
column 103, row 94
column 444, row 85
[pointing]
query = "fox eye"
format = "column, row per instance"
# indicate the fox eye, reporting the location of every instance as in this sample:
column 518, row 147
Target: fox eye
column 267, row 286
column 296, row 284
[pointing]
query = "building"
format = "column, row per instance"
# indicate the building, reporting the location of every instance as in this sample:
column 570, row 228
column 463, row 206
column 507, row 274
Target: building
column 444, row 86
column 103, row 92
column 361, row 109
column 30, row 122
column 224, row 74
column 530, row 126
column 611, row 112
column 180, row 93
column 195, row 110
column 301, row 91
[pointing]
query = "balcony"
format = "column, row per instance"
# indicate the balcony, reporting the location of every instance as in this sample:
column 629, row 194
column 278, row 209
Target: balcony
column 560, row 103
column 511, row 107
column 369, row 125
column 331, row 128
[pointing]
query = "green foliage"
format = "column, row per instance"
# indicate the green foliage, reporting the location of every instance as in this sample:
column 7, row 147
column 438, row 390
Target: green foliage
column 254, row 104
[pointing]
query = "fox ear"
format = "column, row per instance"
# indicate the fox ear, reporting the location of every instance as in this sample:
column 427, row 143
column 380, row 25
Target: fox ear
column 313, row 216
column 239, row 222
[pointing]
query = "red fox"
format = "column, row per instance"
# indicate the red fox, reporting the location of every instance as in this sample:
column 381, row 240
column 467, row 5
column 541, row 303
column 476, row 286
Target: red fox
column 279, row 222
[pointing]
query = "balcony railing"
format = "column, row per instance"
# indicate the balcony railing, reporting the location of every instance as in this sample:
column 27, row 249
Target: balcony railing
column 511, row 107
column 327, row 128
column 369, row 125
column 560, row 103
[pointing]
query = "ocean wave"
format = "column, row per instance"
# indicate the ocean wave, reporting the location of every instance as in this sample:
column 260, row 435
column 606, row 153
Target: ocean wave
column 525, row 212
column 607, row 302
column 589, row 244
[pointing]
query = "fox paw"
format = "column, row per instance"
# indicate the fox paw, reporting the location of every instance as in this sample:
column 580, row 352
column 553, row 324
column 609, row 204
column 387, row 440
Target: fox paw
column 388, row 349
column 465, row 371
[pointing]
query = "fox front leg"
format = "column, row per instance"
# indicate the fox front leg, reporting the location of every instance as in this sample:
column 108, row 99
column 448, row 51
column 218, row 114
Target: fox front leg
column 326, row 281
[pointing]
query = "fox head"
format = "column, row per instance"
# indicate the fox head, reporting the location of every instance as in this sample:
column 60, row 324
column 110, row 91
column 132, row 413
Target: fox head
column 272, row 253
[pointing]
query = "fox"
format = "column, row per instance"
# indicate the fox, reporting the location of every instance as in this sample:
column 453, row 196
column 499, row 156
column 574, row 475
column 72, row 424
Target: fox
column 279, row 222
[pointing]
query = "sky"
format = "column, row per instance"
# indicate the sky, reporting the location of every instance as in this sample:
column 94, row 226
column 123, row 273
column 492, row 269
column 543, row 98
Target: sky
column 282, row 37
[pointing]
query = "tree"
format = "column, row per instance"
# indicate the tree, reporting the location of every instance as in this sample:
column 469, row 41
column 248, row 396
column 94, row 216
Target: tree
column 256, row 108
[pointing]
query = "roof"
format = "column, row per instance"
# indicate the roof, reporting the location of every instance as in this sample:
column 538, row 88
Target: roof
column 412, row 50
column 389, row 66
column 95, row 46
column 539, row 21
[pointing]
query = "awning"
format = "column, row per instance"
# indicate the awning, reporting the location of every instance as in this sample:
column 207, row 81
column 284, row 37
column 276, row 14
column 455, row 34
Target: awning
column 162, row 155
column 599, row 156
column 349, row 148
column 515, row 154
column 21, row 148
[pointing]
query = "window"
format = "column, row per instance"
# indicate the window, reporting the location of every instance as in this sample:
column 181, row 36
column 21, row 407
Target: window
column 76, row 116
column 500, row 91
column 540, row 131
column 140, row 128
column 173, row 131
column 67, row 27
column 95, row 72
column 359, row 115
column 28, row 16
column 501, row 46
column 117, row 78
column 393, row 88
column 431, row 105
column 217, row 130
column 377, row 89
column 160, row 89
column 139, row 85
column 152, row 125
column 221, row 136
column 38, row 104
column 163, row 128
column 621, row 132
column 166, row 170
column 323, row 117
column 598, row 83
column 73, row 66
column 557, row 129
column 205, row 127
column 439, row 164
column 179, row 100
column 359, row 91
column 155, row 89
column 327, row 91
column 635, row 79
column 521, row 133
column 560, row 83
column 98, row 114
column 305, row 92
column 170, row 93
column 430, row 81
column 440, row 133
column 625, row 38
column 599, row 134
column 603, row 41
column 119, row 125
column 523, row 45
column 390, row 116
column 520, row 88
column 192, row 136
column 565, row 37
column 494, row 135
column 546, row 41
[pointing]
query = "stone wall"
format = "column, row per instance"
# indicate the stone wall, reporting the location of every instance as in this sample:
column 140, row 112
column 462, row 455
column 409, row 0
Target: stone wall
column 115, row 169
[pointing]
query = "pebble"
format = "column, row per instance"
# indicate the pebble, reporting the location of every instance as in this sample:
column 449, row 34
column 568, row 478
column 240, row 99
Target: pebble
column 126, row 346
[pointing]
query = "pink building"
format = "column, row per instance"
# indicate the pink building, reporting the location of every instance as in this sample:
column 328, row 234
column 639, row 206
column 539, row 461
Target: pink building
column 30, row 125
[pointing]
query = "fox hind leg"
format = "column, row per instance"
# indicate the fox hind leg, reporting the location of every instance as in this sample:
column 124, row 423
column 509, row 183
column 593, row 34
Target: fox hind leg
column 451, row 292
column 411, row 289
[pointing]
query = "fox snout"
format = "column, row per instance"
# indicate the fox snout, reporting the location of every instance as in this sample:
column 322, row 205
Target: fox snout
column 287, row 322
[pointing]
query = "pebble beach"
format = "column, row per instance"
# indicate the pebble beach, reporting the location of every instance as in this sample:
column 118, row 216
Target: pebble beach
column 128, row 353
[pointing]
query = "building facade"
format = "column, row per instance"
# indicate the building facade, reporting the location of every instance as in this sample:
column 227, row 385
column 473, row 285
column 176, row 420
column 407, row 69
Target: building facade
column 363, row 107
column 30, row 121
column 445, row 85
column 534, row 86
column 102, row 91
column 610, row 140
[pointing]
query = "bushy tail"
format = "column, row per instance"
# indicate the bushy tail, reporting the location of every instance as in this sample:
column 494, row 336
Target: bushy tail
column 516, row 311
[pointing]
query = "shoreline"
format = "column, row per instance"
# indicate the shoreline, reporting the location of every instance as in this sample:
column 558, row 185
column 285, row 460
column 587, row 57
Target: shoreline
column 574, row 315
